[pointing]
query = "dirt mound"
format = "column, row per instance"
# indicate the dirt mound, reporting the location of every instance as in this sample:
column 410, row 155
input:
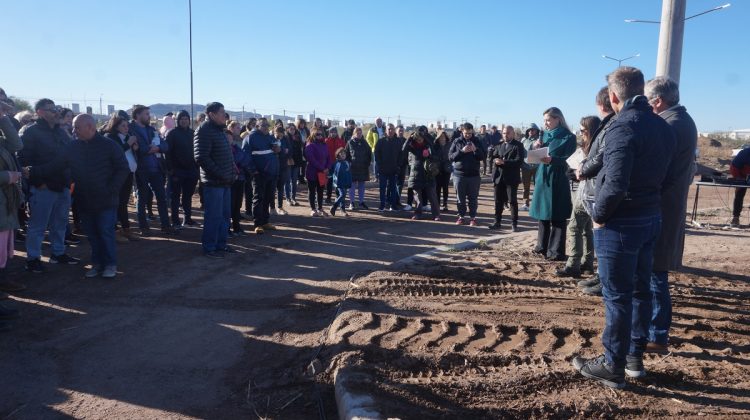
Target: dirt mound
column 490, row 333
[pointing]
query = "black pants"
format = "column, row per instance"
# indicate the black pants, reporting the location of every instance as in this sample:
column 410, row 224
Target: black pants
column 739, row 198
column 263, row 187
column 506, row 193
column 122, row 205
column 315, row 191
column 182, row 190
column 249, row 196
column 442, row 180
column 238, row 193
column 329, row 189
column 426, row 195
column 551, row 238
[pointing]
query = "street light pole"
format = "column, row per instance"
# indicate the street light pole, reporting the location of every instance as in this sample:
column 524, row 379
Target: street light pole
column 190, row 30
column 620, row 60
column 669, row 57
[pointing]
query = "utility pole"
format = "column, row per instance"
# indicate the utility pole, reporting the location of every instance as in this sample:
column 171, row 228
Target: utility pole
column 243, row 113
column 190, row 30
column 669, row 58
column 101, row 110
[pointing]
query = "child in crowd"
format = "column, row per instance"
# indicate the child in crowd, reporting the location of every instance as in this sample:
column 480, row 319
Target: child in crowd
column 341, row 176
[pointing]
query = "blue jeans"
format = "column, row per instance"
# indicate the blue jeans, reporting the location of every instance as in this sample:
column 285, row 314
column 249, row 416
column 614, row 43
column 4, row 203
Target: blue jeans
column 625, row 249
column 283, row 189
column 467, row 189
column 217, row 203
column 100, row 229
column 388, row 192
column 360, row 186
column 291, row 183
column 661, row 317
column 48, row 209
column 153, row 182
column 340, row 199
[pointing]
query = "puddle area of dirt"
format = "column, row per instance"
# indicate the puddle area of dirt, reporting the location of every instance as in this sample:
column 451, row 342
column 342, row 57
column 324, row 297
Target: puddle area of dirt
column 490, row 333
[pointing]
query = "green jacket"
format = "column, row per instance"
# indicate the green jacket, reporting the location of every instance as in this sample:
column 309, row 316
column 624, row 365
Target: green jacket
column 551, row 200
column 10, row 194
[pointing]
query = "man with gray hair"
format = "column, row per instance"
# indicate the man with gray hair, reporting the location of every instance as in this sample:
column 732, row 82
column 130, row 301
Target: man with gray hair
column 98, row 168
column 627, row 220
column 663, row 94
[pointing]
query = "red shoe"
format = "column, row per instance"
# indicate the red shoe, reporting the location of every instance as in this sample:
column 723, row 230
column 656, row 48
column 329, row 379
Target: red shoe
column 460, row 221
column 472, row 222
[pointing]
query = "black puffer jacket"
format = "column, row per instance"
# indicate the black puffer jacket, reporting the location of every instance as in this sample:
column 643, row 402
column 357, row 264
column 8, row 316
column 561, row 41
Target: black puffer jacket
column 45, row 150
column 358, row 152
column 180, row 157
column 99, row 169
column 418, row 178
column 214, row 155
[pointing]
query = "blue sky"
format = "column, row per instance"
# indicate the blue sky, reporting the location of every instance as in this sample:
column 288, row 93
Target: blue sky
column 495, row 61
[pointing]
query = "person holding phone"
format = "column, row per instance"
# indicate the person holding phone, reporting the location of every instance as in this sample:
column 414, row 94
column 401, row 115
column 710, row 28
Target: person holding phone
column 466, row 153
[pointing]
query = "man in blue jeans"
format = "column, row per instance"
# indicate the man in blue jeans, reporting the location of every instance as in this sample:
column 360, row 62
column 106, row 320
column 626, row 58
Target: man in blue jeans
column 149, row 176
column 627, row 221
column 214, row 156
column 98, row 168
column 45, row 165
column 387, row 162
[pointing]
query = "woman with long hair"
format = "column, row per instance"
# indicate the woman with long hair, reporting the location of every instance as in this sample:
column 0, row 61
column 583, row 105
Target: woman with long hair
column 118, row 130
column 551, row 204
column 318, row 163
column 580, row 229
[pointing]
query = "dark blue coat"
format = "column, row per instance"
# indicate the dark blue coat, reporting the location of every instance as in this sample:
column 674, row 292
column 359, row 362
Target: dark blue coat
column 99, row 169
column 639, row 149
column 259, row 147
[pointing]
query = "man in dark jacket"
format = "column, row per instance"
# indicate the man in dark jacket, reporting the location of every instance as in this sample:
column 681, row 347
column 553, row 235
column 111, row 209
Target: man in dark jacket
column 217, row 171
column 263, row 150
column 663, row 94
column 627, row 220
column 150, row 174
column 183, row 171
column 466, row 153
column 388, row 162
column 507, row 159
column 98, row 168
column 45, row 165
column 494, row 138
column 587, row 172
column 739, row 169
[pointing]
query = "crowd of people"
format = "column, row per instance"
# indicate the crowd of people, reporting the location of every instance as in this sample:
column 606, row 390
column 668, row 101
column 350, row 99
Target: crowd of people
column 621, row 206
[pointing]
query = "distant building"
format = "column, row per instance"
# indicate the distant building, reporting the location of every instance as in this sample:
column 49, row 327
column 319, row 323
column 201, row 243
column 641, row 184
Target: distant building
column 110, row 109
column 76, row 108
column 740, row 134
column 310, row 117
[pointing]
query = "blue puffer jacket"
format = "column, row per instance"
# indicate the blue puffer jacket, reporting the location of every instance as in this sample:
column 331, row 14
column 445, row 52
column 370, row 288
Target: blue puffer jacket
column 263, row 160
column 639, row 148
column 342, row 174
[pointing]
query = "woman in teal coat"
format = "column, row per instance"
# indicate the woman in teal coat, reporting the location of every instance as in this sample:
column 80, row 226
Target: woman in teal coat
column 551, row 204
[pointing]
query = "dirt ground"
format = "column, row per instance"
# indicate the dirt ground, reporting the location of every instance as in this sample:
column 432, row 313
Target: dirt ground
column 490, row 333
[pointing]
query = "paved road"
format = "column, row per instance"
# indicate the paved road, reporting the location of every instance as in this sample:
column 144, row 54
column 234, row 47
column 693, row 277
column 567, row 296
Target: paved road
column 179, row 335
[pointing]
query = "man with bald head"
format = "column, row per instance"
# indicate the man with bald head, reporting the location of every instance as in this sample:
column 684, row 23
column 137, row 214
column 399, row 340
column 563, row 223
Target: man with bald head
column 98, row 168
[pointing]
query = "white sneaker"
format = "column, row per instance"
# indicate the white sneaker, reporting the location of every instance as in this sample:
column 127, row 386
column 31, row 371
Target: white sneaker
column 282, row 212
column 314, row 213
column 274, row 212
column 524, row 208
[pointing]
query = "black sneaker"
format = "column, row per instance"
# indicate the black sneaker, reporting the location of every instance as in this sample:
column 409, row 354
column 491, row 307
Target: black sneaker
column 363, row 206
column 228, row 250
column 72, row 240
column 589, row 282
column 217, row 255
column 494, row 226
column 63, row 259
column 568, row 272
column 587, row 271
column 190, row 222
column 595, row 290
column 514, row 227
column 19, row 236
column 634, row 367
column 35, row 266
column 170, row 230
column 333, row 210
column 598, row 369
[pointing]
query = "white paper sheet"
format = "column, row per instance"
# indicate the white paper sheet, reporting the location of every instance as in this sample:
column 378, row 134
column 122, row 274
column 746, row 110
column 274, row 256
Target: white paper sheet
column 535, row 156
